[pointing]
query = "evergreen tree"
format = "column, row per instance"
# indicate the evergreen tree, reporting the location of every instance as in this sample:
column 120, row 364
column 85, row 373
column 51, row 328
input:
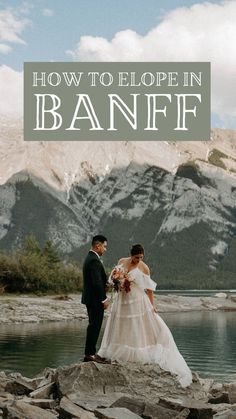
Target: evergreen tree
column 31, row 245
column 51, row 253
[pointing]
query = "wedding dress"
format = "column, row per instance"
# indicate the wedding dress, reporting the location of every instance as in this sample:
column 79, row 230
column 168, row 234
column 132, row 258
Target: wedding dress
column 135, row 333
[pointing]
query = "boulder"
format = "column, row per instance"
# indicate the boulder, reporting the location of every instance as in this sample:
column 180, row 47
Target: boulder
column 229, row 413
column 70, row 410
column 219, row 398
column 116, row 413
column 146, row 410
column 134, row 404
column 111, row 391
column 158, row 412
column 233, row 298
column 90, row 402
column 143, row 381
column 19, row 386
column 43, row 392
column 197, row 408
column 220, row 295
column 232, row 393
column 19, row 409
column 43, row 403
column 216, row 388
column 184, row 414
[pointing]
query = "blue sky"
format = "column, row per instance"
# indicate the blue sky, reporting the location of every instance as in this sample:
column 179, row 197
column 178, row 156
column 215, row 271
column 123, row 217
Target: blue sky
column 48, row 37
column 59, row 30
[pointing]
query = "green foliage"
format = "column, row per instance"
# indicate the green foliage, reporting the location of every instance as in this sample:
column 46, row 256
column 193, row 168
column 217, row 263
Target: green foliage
column 31, row 246
column 31, row 269
column 50, row 253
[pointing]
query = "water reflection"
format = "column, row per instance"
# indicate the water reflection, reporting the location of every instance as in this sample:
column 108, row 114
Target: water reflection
column 207, row 340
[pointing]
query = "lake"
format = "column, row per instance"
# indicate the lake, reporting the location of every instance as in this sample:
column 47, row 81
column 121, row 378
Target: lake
column 195, row 293
column 207, row 340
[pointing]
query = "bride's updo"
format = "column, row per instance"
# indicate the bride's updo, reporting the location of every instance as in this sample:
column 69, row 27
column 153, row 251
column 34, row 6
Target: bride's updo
column 137, row 249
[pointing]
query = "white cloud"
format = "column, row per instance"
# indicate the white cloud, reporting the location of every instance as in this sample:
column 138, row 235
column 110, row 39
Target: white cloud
column 11, row 87
column 11, row 27
column 48, row 12
column 26, row 7
column 4, row 49
column 202, row 32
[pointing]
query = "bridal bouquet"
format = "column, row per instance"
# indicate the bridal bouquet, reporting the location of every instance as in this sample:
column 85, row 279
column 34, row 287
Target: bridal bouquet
column 119, row 279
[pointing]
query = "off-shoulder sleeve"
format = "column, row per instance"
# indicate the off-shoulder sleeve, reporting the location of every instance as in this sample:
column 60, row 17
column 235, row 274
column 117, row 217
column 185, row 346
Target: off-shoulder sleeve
column 144, row 281
column 148, row 283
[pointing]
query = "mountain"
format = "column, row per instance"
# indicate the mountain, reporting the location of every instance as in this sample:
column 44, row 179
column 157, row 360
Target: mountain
column 177, row 198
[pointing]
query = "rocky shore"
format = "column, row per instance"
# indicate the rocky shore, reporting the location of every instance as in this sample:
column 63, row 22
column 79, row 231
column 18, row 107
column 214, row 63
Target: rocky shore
column 113, row 391
column 28, row 309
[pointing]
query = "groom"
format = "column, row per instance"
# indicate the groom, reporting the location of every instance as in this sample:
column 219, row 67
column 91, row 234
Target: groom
column 94, row 295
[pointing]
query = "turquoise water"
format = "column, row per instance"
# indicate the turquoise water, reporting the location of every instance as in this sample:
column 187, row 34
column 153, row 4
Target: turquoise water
column 207, row 341
column 195, row 293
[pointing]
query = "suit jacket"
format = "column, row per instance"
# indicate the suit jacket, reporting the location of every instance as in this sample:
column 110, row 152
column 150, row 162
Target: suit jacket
column 94, row 280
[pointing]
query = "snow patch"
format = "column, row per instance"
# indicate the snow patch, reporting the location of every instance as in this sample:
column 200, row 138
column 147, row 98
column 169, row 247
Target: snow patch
column 220, row 248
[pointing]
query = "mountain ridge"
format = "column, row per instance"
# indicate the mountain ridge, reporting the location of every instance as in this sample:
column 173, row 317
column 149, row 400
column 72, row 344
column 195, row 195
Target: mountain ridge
column 178, row 199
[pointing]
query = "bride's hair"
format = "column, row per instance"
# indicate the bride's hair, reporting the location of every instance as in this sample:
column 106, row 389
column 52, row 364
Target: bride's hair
column 137, row 249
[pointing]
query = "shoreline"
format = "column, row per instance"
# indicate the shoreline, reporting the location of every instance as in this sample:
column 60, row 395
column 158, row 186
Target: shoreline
column 15, row 309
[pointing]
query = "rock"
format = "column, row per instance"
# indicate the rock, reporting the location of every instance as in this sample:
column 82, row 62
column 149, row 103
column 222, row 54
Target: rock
column 133, row 404
column 232, row 393
column 220, row 398
column 115, row 413
column 43, row 403
column 92, row 402
column 183, row 414
column 220, row 295
column 226, row 414
column 63, row 297
column 18, row 376
column 21, row 410
column 91, row 376
column 49, row 376
column 146, row 410
column 206, row 384
column 70, row 410
column 19, row 386
column 110, row 391
column 43, row 392
column 216, row 388
column 158, row 412
column 4, row 397
column 198, row 409
column 233, row 298
column 142, row 381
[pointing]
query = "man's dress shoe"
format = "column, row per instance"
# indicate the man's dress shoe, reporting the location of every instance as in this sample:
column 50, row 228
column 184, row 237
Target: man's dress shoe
column 95, row 358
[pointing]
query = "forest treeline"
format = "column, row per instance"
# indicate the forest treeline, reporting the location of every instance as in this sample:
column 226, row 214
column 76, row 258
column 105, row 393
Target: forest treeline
column 35, row 268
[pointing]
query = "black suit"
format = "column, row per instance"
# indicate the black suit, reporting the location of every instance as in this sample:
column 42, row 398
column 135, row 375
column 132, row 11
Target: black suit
column 94, row 292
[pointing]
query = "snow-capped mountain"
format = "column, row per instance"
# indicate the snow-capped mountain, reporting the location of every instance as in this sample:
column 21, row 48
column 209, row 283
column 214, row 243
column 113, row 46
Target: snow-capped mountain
column 177, row 198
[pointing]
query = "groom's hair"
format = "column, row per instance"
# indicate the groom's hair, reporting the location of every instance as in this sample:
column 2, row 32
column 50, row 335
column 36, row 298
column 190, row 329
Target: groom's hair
column 99, row 238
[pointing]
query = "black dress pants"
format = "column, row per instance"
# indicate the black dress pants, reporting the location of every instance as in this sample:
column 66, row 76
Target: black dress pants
column 95, row 315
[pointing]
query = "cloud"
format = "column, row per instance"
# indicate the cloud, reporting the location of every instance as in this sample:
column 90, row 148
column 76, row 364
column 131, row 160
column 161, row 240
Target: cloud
column 202, row 32
column 11, row 28
column 11, row 87
column 4, row 49
column 48, row 12
column 26, row 7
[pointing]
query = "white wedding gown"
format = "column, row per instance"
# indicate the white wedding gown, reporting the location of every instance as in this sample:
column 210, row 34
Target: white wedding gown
column 135, row 333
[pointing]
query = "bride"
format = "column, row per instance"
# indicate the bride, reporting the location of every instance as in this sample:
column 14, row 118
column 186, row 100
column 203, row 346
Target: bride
column 134, row 331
